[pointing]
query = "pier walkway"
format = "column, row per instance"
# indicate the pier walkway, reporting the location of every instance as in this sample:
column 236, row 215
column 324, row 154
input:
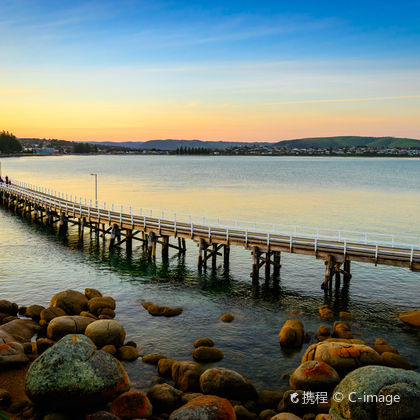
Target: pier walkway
column 214, row 236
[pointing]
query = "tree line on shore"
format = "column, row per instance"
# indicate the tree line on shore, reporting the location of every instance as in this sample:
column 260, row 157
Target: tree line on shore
column 9, row 143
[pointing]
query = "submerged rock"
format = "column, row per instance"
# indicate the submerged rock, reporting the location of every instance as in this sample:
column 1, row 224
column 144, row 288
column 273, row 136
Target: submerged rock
column 71, row 301
column 207, row 407
column 325, row 312
column 72, row 374
column 165, row 367
column 186, row 375
column 128, row 353
column 341, row 329
column 153, row 358
column 207, row 354
column 394, row 360
column 227, row 318
column 292, row 334
column 203, row 342
column 324, row 332
column 164, row 398
column 411, row 318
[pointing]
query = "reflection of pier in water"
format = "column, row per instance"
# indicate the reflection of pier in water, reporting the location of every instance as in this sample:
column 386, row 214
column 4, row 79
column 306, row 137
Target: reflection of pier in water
column 213, row 239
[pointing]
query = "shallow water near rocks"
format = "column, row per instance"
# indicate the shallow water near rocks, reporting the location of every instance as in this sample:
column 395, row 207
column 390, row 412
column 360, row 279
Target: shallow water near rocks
column 36, row 261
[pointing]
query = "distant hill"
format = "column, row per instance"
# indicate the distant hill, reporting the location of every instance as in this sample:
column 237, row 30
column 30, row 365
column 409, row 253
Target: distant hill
column 349, row 141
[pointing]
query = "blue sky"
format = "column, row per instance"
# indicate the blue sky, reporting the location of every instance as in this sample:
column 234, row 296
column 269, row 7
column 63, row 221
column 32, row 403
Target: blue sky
column 204, row 60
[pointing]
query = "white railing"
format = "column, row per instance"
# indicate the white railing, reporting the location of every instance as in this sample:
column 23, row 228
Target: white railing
column 250, row 230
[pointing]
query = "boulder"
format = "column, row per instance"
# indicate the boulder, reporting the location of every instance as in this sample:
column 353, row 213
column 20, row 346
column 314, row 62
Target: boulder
column 132, row 404
column 382, row 348
column 128, row 353
column 207, row 354
column 106, row 331
column 70, row 301
column 325, row 312
column 96, row 304
column 203, row 342
column 110, row 348
column 21, row 330
column 72, row 373
column 380, row 381
column 69, row 324
column 242, row 413
column 188, row 396
column 34, row 312
column 157, row 310
column 269, row 399
column 164, row 398
column 324, row 332
column 11, row 354
column 153, row 358
column 50, row 313
column 227, row 383
column 43, row 344
column 207, row 407
column 341, row 329
column 107, row 312
column 391, row 359
column 186, row 375
column 8, row 307
column 92, row 293
column 227, row 318
column 292, row 334
column 314, row 376
column 411, row 318
column 165, row 367
column 343, row 357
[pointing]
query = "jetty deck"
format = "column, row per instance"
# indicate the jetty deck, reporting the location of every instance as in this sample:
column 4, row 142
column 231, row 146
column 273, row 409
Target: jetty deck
column 214, row 238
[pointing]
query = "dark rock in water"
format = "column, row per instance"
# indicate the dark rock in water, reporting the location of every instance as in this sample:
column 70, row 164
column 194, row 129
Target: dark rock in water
column 153, row 358
column 132, row 404
column 383, row 382
column 131, row 343
column 187, row 375
column 22, row 310
column 188, row 396
column 325, row 312
column 157, row 310
column 207, row 354
column 394, row 360
column 7, row 307
column 50, row 313
column 314, row 376
column 97, row 304
column 164, row 398
column 165, row 367
column 323, row 332
column 106, row 331
column 341, row 329
column 110, row 348
column 21, row 330
column 43, row 344
column 34, row 312
column 227, row 383
column 243, row 414
column 203, row 342
column 92, row 293
column 72, row 374
column 227, row 318
column 71, row 324
column 71, row 301
column 128, row 353
column 411, row 318
column 12, row 353
column 108, row 312
column 292, row 334
column 207, row 407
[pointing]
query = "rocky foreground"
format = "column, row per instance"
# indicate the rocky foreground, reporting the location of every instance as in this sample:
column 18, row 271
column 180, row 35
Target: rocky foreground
column 64, row 362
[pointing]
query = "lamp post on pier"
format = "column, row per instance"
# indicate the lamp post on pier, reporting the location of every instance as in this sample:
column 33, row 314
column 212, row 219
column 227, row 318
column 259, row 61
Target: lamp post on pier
column 96, row 188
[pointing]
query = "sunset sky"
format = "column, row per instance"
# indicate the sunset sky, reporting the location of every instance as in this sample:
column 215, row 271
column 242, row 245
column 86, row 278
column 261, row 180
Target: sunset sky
column 212, row 70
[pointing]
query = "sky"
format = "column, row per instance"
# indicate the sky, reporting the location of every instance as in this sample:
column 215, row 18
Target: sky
column 212, row 70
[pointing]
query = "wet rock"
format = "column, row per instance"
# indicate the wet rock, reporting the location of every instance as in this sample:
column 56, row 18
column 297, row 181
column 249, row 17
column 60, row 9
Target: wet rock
column 227, row 383
column 158, row 310
column 72, row 374
column 71, row 301
column 128, row 353
column 267, row 414
column 9, row 318
column 269, row 399
column 314, row 376
column 164, row 398
column 11, row 354
column 324, row 332
column 186, row 375
column 396, row 361
column 153, row 358
column 49, row 314
column 342, row 356
column 107, row 312
column 377, row 380
column 88, row 314
column 345, row 340
column 22, row 310
column 131, row 343
column 110, row 348
column 207, row 407
column 97, row 304
column 203, row 342
column 285, row 416
column 132, row 404
column 43, row 344
column 382, row 348
column 341, row 329
column 21, row 330
column 188, row 396
column 292, row 334
column 105, row 331
column 34, row 312
column 102, row 415
column 411, row 318
column 165, row 367
column 207, row 354
column 92, row 293
column 346, row 315
column 227, row 318
column 325, row 312
column 8, row 307
column 5, row 398
column 243, row 414
column 69, row 324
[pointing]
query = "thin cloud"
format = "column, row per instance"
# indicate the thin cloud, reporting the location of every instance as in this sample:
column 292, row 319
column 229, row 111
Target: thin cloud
column 318, row 101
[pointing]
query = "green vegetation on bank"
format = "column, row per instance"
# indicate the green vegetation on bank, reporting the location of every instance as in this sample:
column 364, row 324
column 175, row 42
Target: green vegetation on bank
column 9, row 143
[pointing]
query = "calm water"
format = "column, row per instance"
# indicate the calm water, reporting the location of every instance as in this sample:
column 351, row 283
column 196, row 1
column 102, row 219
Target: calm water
column 380, row 195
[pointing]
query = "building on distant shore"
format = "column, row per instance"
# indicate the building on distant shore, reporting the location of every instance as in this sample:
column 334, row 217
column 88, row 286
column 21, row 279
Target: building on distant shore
column 44, row 151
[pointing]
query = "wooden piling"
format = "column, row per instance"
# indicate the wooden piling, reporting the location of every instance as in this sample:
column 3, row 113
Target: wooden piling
column 226, row 254
column 255, row 262
column 267, row 264
column 114, row 235
column 329, row 270
column 129, row 240
column 165, row 247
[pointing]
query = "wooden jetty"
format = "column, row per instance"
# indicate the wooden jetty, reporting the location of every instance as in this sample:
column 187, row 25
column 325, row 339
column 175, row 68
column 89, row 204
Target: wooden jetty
column 213, row 239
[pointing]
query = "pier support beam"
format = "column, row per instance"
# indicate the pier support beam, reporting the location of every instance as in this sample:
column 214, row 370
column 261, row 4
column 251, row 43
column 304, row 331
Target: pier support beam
column 226, row 254
column 151, row 246
column 255, row 263
column 129, row 240
column 277, row 265
column 165, row 247
column 115, row 234
column 202, row 246
column 329, row 271
column 346, row 270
